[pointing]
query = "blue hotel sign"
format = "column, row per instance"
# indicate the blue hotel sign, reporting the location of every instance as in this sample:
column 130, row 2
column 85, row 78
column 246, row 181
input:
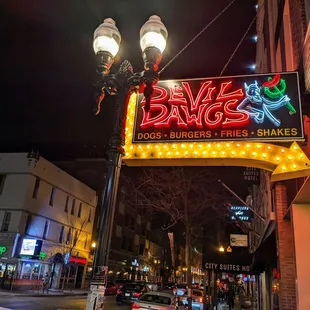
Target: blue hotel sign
column 242, row 212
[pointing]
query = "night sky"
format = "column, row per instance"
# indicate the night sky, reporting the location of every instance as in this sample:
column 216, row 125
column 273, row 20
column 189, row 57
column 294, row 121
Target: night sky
column 48, row 64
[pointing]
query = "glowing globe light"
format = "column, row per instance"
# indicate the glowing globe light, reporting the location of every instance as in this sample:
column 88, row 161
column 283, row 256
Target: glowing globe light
column 153, row 34
column 107, row 38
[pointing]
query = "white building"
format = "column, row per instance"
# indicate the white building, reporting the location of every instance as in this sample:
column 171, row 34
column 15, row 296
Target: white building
column 46, row 221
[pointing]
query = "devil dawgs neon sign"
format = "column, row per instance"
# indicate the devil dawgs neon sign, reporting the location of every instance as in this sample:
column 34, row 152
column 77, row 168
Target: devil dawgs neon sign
column 246, row 107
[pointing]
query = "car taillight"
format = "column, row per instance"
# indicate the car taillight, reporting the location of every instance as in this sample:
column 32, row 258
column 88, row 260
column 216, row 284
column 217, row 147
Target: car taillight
column 200, row 299
column 119, row 292
column 135, row 306
column 137, row 294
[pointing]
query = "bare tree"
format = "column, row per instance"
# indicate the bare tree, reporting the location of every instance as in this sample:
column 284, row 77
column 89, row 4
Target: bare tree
column 190, row 196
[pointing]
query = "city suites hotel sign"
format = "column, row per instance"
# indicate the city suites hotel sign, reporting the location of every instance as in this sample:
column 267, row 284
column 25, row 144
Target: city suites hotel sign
column 220, row 121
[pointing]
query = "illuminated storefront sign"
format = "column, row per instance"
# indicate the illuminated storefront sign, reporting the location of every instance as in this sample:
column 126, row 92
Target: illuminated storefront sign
column 229, row 121
column 227, row 267
column 242, row 212
column 3, row 249
column 261, row 107
column 31, row 247
column 78, row 260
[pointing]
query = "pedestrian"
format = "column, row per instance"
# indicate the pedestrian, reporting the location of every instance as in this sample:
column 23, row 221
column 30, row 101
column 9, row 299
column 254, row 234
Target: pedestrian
column 230, row 296
column 45, row 283
column 242, row 298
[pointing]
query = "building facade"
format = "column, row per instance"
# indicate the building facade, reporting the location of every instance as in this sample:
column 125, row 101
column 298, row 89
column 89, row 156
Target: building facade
column 47, row 219
column 283, row 31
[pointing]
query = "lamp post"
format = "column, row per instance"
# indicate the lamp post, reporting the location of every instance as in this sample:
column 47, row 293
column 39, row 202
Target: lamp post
column 107, row 38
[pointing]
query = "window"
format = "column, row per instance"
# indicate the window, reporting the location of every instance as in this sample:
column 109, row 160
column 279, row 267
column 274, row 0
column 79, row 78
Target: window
column 6, row 221
column 28, row 223
column 36, row 189
column 89, row 216
column 80, row 210
column 76, row 236
column 85, row 242
column 67, row 204
column 73, row 207
column 2, row 180
column 46, row 226
column 69, row 236
column 61, row 235
column 52, row 196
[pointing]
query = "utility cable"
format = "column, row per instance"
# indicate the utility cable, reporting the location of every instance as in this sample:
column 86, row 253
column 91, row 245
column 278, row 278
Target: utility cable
column 237, row 47
column 195, row 37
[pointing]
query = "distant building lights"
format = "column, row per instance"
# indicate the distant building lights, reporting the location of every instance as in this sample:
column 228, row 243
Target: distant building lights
column 256, row 7
column 255, row 38
column 253, row 67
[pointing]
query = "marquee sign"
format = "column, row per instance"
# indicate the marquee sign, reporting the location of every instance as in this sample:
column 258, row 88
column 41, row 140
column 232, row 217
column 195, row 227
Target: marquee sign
column 242, row 212
column 227, row 267
column 229, row 121
column 261, row 107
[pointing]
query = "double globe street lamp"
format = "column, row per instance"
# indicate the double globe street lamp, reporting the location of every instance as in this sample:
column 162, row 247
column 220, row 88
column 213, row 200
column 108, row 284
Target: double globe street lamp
column 107, row 39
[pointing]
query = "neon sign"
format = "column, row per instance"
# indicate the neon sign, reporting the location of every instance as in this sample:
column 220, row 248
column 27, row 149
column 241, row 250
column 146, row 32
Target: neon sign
column 261, row 107
column 3, row 249
column 242, row 212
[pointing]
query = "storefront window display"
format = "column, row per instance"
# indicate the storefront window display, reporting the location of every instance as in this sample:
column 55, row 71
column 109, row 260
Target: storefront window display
column 33, row 270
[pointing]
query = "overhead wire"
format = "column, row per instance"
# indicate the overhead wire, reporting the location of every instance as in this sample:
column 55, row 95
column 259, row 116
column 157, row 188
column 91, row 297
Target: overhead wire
column 196, row 36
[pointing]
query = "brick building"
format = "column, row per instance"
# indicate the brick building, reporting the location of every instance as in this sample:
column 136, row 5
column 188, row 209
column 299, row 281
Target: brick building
column 283, row 44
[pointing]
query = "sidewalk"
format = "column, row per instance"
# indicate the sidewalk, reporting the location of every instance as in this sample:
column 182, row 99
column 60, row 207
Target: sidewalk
column 51, row 293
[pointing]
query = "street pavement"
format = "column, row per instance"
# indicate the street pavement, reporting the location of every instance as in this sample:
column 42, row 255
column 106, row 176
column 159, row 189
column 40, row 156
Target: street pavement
column 53, row 303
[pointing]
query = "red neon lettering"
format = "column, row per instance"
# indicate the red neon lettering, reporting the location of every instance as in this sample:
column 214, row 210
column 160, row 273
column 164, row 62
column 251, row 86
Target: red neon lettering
column 173, row 116
column 218, row 116
column 234, row 118
column 157, row 106
column 232, row 95
column 195, row 102
column 194, row 119
column 177, row 96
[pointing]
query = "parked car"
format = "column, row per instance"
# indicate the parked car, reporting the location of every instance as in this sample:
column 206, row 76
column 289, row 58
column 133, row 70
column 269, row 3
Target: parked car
column 158, row 300
column 130, row 292
column 180, row 289
column 111, row 288
column 197, row 299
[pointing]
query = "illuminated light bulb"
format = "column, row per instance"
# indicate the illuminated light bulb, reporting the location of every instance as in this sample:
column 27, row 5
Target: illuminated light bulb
column 213, row 153
column 130, row 135
column 126, row 129
column 264, row 155
column 169, row 153
column 143, row 154
column 173, row 146
column 294, row 166
column 243, row 153
column 182, row 146
column 289, row 157
column 204, row 153
column 156, row 146
column 258, row 146
column 283, row 168
column 301, row 155
column 140, row 147
column 282, row 150
column 148, row 146
column 233, row 152
column 165, row 146
column 223, row 153
column 218, row 145
column 277, row 158
column 195, row 153
column 131, row 123
column 295, row 147
column 191, row 146
column 160, row 153
column 254, row 154
column 227, row 145
column 177, row 153
column 238, row 145
column 269, row 147
column 248, row 146
column 209, row 145
column 186, row 153
column 131, row 147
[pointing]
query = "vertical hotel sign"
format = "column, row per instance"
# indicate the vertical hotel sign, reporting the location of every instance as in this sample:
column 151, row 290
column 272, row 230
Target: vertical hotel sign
column 260, row 107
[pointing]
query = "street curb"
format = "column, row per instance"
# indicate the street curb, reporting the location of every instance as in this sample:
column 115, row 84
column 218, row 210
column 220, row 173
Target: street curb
column 47, row 295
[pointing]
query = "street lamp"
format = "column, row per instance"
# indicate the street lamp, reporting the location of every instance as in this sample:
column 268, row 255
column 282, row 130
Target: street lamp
column 107, row 39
